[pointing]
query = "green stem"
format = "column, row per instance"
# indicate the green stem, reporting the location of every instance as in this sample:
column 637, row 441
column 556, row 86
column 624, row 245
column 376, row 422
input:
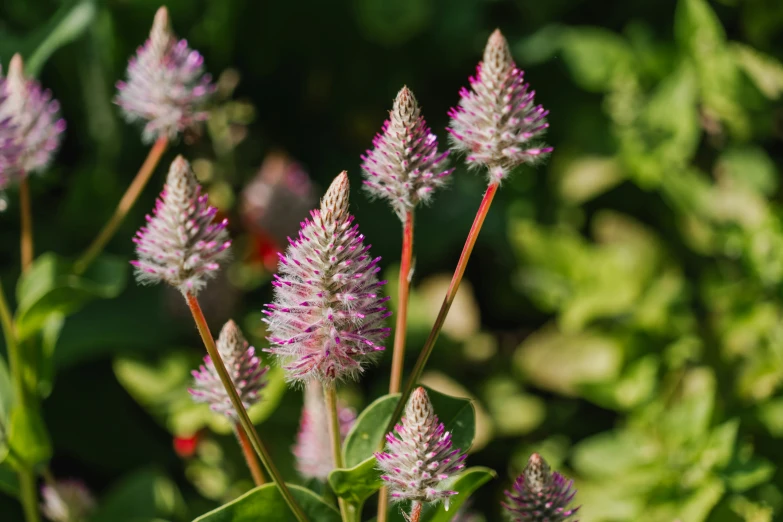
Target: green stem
column 330, row 400
column 29, row 495
column 124, row 206
column 244, row 418
column 456, row 279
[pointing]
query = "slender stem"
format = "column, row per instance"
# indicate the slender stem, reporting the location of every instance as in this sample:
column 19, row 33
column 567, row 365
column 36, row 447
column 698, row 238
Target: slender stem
column 447, row 301
column 250, row 456
column 383, row 503
column 330, row 400
column 124, row 206
column 244, row 418
column 27, row 489
column 27, row 224
column 415, row 512
column 398, row 355
column 11, row 346
column 29, row 496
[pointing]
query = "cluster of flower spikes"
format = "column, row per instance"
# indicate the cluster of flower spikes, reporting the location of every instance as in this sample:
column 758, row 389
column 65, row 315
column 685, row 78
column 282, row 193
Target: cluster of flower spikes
column 166, row 85
column 313, row 450
column 420, row 457
column 540, row 495
column 245, row 368
column 404, row 166
column 30, row 125
column 181, row 243
column 326, row 321
column 497, row 123
column 66, row 501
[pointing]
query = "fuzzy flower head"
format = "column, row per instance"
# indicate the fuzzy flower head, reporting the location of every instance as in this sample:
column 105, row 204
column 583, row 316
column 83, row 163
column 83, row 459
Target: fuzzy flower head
column 326, row 321
column 420, row 457
column 30, row 125
column 497, row 123
column 540, row 495
column 313, row 449
column 181, row 244
column 404, row 166
column 66, row 501
column 244, row 367
column 166, row 85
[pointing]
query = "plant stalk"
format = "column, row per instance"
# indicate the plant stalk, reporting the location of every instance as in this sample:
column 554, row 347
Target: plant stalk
column 456, row 279
column 244, row 418
column 398, row 355
column 250, row 456
column 400, row 330
column 124, row 206
column 415, row 512
column 29, row 495
column 330, row 401
column 25, row 207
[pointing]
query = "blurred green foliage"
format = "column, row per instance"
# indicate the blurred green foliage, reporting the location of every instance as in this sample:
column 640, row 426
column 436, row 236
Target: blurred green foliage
column 622, row 310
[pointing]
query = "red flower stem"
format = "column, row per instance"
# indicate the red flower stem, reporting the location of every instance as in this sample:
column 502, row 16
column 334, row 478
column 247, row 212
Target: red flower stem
column 398, row 355
column 459, row 272
column 250, row 456
column 415, row 512
column 244, row 418
column 25, row 208
column 124, row 206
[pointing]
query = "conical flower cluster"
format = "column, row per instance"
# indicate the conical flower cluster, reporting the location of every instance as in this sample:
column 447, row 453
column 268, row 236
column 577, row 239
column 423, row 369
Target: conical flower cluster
column 181, row 244
column 313, row 450
column 420, row 457
column 66, row 501
column 326, row 322
column 166, row 85
column 540, row 495
column 30, row 125
column 243, row 366
column 496, row 123
column 404, row 166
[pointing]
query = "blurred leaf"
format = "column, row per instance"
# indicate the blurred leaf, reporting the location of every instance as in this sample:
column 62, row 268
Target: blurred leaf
column 589, row 176
column 595, row 56
column 27, row 434
column 6, row 394
column 68, row 24
column 50, row 288
column 564, row 362
column 634, row 387
column 265, row 503
column 613, row 454
column 392, row 22
column 369, row 430
column 744, row 475
column 750, row 167
column 513, row 412
column 765, row 71
column 358, row 483
column 143, row 495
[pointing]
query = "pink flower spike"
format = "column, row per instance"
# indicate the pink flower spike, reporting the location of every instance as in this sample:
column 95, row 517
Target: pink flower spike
column 497, row 123
column 314, row 333
column 418, row 459
column 30, row 125
column 166, row 86
column 247, row 374
column 180, row 245
column 405, row 165
column 66, row 501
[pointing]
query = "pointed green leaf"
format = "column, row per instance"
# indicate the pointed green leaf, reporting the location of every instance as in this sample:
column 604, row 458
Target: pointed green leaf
column 358, row 483
column 368, row 430
column 265, row 504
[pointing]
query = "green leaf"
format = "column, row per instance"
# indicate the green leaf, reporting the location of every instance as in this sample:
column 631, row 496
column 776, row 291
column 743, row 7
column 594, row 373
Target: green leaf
column 6, row 393
column 50, row 288
column 368, row 430
column 144, row 495
column 265, row 504
column 466, row 483
column 458, row 416
column 765, row 71
column 27, row 434
column 68, row 24
column 358, row 483
column 595, row 56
